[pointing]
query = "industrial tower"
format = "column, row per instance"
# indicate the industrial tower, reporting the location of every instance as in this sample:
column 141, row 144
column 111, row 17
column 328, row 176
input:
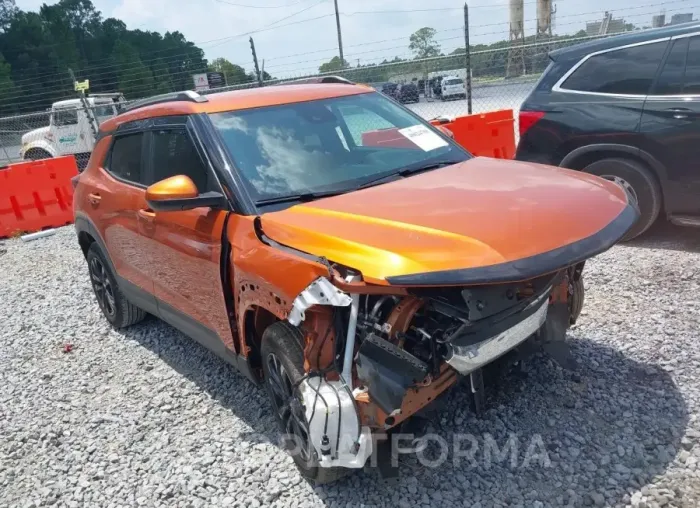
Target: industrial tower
column 516, row 50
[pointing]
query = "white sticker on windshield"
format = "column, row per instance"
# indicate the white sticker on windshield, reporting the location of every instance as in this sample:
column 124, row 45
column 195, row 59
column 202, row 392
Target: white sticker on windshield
column 423, row 137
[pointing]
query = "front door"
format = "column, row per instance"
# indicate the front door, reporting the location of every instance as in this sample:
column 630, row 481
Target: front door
column 187, row 267
column 71, row 130
column 671, row 124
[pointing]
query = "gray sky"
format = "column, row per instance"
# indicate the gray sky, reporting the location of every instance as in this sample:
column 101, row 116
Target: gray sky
column 220, row 27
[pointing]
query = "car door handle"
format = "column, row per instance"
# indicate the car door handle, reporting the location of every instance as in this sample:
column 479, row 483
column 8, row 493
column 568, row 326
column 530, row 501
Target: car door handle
column 680, row 113
column 147, row 215
column 94, row 199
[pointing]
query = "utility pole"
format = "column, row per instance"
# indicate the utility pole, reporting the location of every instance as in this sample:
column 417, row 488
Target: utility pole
column 255, row 61
column 340, row 37
column 468, row 60
column 92, row 121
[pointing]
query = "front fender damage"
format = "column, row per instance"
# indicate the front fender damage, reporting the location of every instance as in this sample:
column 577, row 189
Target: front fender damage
column 412, row 345
column 335, row 427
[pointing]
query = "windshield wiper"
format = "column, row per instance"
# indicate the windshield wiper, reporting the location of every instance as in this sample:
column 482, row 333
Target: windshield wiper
column 409, row 170
column 301, row 197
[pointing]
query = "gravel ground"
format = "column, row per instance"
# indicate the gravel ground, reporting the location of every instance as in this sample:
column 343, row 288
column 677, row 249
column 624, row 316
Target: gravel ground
column 145, row 417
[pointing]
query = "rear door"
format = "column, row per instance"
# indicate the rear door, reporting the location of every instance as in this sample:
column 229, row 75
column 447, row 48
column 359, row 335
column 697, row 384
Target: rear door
column 671, row 124
column 187, row 261
column 117, row 197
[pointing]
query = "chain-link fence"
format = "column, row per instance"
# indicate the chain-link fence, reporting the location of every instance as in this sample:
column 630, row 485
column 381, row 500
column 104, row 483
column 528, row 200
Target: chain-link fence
column 432, row 87
column 68, row 128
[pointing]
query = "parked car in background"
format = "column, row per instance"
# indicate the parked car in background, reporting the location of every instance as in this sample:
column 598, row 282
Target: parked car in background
column 336, row 248
column 391, row 90
column 408, row 93
column 625, row 108
column 452, row 87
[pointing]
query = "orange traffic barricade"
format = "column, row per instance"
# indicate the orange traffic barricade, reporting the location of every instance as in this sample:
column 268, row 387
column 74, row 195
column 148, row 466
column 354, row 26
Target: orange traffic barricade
column 487, row 134
column 35, row 195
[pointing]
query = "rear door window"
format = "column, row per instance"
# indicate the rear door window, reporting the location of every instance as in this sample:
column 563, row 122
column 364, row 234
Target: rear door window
column 125, row 160
column 692, row 68
column 628, row 71
column 670, row 80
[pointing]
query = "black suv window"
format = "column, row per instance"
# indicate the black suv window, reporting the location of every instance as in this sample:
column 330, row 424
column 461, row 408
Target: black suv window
column 670, row 80
column 175, row 154
column 692, row 68
column 125, row 158
column 622, row 71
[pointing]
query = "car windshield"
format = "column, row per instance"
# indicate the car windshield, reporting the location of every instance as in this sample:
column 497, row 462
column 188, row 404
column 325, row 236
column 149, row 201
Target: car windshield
column 327, row 145
column 455, row 81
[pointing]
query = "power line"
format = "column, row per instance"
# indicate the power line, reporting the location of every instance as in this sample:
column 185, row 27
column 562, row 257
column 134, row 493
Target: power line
column 175, row 74
column 259, row 6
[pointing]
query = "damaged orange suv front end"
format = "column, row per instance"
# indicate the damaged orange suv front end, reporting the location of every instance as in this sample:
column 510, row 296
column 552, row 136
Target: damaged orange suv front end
column 336, row 247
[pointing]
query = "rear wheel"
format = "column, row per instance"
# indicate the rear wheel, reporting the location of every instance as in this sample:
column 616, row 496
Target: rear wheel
column 639, row 182
column 283, row 366
column 114, row 305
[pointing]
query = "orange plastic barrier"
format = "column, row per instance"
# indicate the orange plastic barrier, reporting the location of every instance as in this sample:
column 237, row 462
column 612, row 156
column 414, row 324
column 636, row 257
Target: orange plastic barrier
column 36, row 195
column 488, row 134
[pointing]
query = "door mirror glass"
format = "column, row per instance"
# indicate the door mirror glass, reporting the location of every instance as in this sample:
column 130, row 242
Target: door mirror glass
column 173, row 188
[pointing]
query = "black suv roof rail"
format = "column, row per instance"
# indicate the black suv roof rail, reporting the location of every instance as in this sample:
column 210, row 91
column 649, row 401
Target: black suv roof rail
column 320, row 80
column 186, row 96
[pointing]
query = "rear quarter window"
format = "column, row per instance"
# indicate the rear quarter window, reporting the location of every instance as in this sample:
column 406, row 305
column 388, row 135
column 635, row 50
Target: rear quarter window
column 628, row 71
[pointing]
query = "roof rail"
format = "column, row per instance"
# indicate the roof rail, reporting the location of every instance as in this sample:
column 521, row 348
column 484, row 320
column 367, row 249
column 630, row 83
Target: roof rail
column 320, row 79
column 186, row 96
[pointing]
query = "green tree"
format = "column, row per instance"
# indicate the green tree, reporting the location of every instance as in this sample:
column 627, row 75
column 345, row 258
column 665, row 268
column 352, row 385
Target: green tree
column 135, row 79
column 6, row 87
column 423, row 44
column 8, row 9
column 334, row 64
column 234, row 74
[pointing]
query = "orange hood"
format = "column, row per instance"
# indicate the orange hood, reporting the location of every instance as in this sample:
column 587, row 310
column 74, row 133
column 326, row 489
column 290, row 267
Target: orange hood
column 483, row 220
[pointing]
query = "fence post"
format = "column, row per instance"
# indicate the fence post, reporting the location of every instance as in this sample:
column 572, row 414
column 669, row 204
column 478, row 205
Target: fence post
column 255, row 61
column 7, row 155
column 468, row 60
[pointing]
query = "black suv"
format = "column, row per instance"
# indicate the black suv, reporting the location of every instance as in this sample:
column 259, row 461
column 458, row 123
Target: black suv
column 626, row 108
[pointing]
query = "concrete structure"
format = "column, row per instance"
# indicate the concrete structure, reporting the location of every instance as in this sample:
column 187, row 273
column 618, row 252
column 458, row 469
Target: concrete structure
column 685, row 17
column 516, row 53
column 608, row 25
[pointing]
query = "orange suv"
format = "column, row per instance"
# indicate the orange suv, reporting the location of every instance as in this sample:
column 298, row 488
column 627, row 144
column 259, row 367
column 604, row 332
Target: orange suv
column 337, row 248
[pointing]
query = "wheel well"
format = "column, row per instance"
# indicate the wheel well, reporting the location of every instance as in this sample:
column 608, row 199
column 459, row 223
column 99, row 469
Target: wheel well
column 38, row 151
column 583, row 160
column 257, row 319
column 85, row 240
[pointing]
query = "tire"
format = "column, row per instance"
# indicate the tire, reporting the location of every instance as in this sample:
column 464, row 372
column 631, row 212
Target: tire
column 114, row 305
column 283, row 341
column 577, row 299
column 37, row 154
column 643, row 183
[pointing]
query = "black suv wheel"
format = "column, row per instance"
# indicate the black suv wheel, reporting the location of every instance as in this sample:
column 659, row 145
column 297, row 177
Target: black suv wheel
column 639, row 182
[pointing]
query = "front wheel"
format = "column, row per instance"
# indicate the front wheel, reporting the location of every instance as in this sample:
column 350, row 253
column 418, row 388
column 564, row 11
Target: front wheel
column 283, row 366
column 640, row 184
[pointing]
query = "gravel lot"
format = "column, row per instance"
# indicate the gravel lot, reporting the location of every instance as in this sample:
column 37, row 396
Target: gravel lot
column 145, row 417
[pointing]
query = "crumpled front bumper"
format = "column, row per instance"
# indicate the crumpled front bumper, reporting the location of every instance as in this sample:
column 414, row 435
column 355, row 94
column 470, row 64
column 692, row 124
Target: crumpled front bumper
column 470, row 352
